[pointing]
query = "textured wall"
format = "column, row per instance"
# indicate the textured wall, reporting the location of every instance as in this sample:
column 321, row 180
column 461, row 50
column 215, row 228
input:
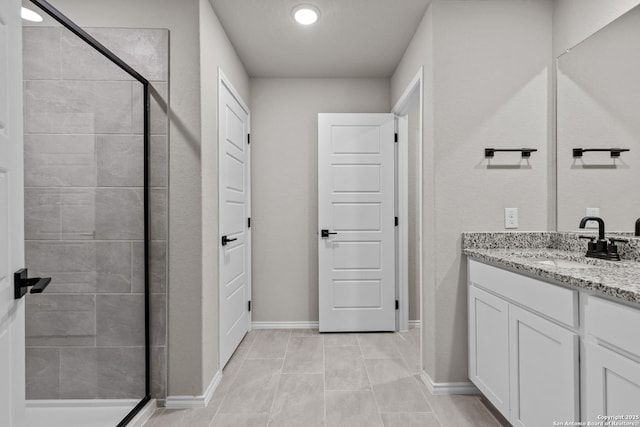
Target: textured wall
column 84, row 213
column 285, row 185
column 486, row 84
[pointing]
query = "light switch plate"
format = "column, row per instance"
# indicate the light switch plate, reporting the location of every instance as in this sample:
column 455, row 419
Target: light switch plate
column 510, row 218
column 592, row 212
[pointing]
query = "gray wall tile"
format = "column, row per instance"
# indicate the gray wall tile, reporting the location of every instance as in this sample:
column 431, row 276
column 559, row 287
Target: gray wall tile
column 119, row 213
column 71, row 265
column 59, row 161
column 159, row 372
column 60, row 320
column 78, row 211
column 146, row 50
column 79, row 373
column 42, row 213
column 120, row 160
column 77, row 107
column 43, row 373
column 159, row 161
column 41, row 53
column 121, row 373
column 158, row 319
column 113, row 267
column 158, row 213
column 79, row 61
column 120, row 320
column 157, row 267
column 158, row 108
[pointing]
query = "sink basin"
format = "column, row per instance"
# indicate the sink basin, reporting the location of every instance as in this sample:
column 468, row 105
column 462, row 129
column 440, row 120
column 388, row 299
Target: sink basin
column 563, row 263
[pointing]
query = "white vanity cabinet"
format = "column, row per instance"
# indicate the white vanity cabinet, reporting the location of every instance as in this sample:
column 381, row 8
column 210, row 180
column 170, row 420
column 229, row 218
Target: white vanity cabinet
column 523, row 349
column 612, row 360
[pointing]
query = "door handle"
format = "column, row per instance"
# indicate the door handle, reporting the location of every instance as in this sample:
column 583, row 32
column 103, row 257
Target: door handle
column 21, row 283
column 325, row 233
column 226, row 240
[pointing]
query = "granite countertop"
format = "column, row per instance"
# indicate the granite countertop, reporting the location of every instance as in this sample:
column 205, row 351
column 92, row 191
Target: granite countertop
column 617, row 279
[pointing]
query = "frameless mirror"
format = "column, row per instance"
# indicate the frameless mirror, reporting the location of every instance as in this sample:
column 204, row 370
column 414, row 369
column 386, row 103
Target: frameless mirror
column 598, row 111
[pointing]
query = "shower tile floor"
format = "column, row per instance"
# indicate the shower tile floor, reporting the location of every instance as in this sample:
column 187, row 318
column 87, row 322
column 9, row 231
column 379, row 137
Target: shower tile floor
column 303, row 378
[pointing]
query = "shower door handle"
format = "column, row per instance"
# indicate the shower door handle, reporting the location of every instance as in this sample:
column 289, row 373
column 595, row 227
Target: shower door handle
column 21, row 282
column 226, row 240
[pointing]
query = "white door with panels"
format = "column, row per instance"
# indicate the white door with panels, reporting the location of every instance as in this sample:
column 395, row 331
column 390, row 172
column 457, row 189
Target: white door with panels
column 12, row 379
column 356, row 222
column 235, row 237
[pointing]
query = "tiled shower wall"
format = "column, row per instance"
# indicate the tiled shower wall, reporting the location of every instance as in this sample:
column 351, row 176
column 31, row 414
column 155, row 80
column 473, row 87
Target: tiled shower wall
column 84, row 213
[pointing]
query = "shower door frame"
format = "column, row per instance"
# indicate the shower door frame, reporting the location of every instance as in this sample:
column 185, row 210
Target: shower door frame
column 87, row 38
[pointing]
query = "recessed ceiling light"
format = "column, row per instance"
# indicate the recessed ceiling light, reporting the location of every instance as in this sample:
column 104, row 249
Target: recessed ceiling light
column 305, row 14
column 30, row 15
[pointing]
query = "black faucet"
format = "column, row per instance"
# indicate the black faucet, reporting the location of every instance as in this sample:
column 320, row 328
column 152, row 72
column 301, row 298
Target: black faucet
column 638, row 227
column 602, row 248
column 600, row 221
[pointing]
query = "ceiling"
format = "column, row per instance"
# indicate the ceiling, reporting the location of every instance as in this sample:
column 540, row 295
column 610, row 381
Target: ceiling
column 352, row 38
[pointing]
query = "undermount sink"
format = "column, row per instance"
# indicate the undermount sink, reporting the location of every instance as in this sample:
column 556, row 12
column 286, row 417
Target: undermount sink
column 563, row 263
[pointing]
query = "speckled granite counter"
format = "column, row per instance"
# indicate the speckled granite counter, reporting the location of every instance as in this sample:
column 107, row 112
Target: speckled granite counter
column 523, row 252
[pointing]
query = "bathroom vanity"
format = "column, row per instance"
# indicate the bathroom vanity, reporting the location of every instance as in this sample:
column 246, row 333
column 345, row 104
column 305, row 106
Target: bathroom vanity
column 553, row 336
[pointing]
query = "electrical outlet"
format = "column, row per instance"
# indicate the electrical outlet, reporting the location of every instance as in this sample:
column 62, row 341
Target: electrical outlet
column 592, row 212
column 510, row 218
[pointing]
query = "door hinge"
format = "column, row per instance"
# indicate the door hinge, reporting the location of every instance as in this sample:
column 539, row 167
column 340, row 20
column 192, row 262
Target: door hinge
column 395, row 137
column 248, row 138
column 396, row 221
column 249, row 222
column 397, row 305
column 249, row 305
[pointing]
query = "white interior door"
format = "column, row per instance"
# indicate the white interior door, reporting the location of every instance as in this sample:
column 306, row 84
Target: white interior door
column 356, row 260
column 12, row 381
column 235, row 263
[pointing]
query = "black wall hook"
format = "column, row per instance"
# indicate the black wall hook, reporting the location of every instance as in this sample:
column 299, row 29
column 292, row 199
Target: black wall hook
column 615, row 152
column 526, row 152
column 21, row 282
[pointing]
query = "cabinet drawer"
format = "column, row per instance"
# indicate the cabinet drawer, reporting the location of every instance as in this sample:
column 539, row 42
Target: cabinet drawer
column 554, row 301
column 614, row 323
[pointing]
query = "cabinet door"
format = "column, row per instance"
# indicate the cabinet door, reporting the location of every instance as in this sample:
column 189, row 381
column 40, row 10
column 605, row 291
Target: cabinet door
column 612, row 384
column 544, row 371
column 489, row 347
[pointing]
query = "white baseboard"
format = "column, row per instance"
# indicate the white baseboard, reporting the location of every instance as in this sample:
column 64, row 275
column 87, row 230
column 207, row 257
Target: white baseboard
column 284, row 325
column 414, row 324
column 448, row 388
column 144, row 414
column 186, row 402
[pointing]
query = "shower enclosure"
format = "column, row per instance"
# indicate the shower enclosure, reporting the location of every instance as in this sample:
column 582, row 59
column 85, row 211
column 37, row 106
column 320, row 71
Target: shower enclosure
column 87, row 191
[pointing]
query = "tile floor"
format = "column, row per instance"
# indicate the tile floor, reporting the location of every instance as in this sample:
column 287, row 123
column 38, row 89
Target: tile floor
column 301, row 378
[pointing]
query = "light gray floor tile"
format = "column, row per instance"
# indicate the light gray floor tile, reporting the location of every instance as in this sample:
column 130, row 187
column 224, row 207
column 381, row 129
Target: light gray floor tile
column 409, row 346
column 237, row 420
column 299, row 401
column 333, row 339
column 344, row 368
column 269, row 344
column 183, row 418
column 355, row 408
column 395, row 388
column 304, row 355
column 312, row 332
column 378, row 346
column 411, row 419
column 462, row 411
column 254, row 388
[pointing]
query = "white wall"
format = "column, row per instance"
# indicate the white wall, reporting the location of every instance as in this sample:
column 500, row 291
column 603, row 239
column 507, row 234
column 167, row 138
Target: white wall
column 490, row 78
column 414, row 201
column 215, row 52
column 284, row 185
column 575, row 20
